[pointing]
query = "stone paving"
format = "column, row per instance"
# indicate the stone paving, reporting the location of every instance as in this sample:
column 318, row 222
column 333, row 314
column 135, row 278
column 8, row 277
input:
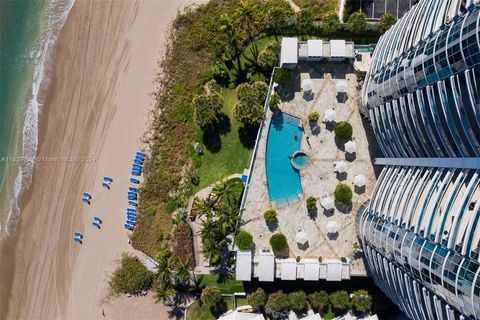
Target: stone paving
column 318, row 178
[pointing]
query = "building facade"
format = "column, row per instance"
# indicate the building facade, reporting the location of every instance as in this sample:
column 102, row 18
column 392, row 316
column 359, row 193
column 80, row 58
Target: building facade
column 421, row 228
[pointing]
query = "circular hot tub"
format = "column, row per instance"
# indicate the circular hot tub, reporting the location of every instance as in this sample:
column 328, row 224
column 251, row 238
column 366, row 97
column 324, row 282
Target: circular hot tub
column 299, row 160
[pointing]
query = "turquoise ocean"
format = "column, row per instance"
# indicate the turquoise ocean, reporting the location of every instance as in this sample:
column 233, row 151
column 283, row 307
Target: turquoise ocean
column 28, row 31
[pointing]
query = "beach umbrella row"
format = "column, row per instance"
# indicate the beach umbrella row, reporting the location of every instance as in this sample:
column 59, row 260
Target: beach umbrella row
column 138, row 163
column 132, row 194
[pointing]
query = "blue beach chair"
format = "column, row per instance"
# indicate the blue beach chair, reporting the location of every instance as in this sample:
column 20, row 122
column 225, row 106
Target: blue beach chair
column 128, row 227
column 135, row 173
column 129, row 222
column 139, row 162
column 97, row 219
column 86, row 200
column 108, row 179
column 132, row 189
column 78, row 240
column 78, row 235
column 132, row 203
column 141, row 154
column 87, row 195
column 131, row 210
column 136, row 166
column 95, row 224
column 133, row 180
column 131, row 217
column 106, row 185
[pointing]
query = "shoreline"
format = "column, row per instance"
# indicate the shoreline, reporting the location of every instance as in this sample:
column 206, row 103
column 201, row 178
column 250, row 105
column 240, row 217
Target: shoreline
column 95, row 109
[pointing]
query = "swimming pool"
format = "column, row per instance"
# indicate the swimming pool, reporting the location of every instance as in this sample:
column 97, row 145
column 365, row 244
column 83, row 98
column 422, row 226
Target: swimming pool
column 284, row 138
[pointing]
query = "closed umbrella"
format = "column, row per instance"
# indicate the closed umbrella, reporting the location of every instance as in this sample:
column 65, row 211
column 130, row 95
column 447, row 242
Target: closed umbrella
column 341, row 167
column 350, row 147
column 332, row 227
column 329, row 115
column 301, row 237
column 360, row 180
column 327, row 203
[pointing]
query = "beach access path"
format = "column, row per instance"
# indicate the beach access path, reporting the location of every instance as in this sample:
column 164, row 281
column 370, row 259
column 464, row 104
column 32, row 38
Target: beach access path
column 96, row 105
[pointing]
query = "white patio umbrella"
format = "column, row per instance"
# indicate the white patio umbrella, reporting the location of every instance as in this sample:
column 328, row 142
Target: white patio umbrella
column 307, row 85
column 340, row 167
column 301, row 237
column 350, row 147
column 329, row 115
column 327, row 203
column 360, row 180
column 332, row 227
column 341, row 86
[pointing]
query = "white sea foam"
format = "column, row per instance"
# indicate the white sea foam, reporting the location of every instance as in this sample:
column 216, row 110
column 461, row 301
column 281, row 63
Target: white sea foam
column 53, row 19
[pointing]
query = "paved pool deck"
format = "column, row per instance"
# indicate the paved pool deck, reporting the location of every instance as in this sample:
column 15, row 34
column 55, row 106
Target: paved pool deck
column 318, row 178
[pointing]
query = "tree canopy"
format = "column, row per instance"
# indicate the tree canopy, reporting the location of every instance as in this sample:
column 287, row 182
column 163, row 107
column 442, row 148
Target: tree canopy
column 211, row 296
column 274, row 101
column 343, row 193
column 330, row 22
column 250, row 99
column 343, row 130
column 357, row 23
column 340, row 300
column 257, row 299
column 277, row 305
column 311, row 203
column 131, row 276
column 207, row 108
column 362, row 301
column 298, row 301
column 270, row 216
column 282, row 76
column 318, row 300
column 386, row 21
column 268, row 57
column 244, row 240
column 279, row 242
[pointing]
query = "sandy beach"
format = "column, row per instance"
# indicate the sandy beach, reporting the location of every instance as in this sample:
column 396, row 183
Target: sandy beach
column 95, row 113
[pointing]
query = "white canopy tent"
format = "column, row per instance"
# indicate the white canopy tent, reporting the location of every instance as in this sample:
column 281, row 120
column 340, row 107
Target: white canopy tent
column 266, row 266
column 332, row 227
column 340, row 166
column 243, row 269
column 301, row 237
column 360, row 180
column 327, row 203
column 341, row 86
column 307, row 85
column 329, row 115
column 312, row 269
column 289, row 269
column 350, row 147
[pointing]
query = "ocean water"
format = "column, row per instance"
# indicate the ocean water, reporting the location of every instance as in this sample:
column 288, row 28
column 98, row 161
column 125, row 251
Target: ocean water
column 28, row 31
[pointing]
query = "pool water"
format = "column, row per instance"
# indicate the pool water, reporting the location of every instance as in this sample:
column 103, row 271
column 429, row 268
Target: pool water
column 300, row 160
column 284, row 138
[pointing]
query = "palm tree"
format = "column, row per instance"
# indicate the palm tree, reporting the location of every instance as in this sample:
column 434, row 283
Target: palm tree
column 227, row 26
column 164, row 294
column 246, row 15
column 204, row 207
column 165, row 262
column 182, row 272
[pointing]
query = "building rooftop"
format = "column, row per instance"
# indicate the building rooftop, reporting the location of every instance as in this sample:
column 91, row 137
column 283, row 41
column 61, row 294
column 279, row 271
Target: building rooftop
column 243, row 270
column 289, row 51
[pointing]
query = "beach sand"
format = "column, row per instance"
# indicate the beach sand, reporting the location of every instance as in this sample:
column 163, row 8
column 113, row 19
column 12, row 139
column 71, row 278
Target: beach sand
column 96, row 105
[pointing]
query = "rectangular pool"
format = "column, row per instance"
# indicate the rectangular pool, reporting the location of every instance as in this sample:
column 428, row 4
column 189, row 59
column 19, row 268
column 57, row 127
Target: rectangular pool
column 284, row 138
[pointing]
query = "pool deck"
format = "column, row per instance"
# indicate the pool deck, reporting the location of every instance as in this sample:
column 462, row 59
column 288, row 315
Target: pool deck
column 318, row 178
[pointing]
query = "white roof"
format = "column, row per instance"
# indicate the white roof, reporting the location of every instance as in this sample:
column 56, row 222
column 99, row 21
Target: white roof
column 243, row 270
column 315, row 48
column 289, row 52
column 315, row 316
column 236, row 315
column 337, row 48
column 350, row 147
column 360, row 180
column 312, row 269
column 266, row 266
column 334, row 271
column 328, row 203
column 289, row 269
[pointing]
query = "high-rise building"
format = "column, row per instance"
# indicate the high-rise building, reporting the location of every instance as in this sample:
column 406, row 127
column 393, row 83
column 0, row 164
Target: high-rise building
column 421, row 228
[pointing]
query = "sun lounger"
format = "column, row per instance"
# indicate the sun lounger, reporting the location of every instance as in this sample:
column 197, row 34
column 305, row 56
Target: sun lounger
column 128, row 227
column 141, row 154
column 131, row 210
column 87, row 195
column 108, row 179
column 130, row 222
column 132, row 203
column 106, row 185
column 97, row 219
column 86, row 200
column 132, row 189
column 133, row 180
column 78, row 240
column 135, row 173
column 136, row 166
column 132, row 198
column 131, row 214
column 131, row 219
column 78, row 235
column 131, row 193
column 96, row 225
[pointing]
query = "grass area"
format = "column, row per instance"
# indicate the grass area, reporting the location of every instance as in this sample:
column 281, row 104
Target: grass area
column 232, row 157
column 241, row 301
column 197, row 311
column 226, row 285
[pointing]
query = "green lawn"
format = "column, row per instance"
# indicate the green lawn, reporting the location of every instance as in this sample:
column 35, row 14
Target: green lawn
column 241, row 301
column 197, row 311
column 232, row 157
column 225, row 285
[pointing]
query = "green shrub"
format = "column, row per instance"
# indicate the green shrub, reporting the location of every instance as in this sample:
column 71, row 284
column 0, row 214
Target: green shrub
column 362, row 301
column 207, row 108
column 131, row 276
column 311, row 203
column 274, row 101
column 298, row 301
column 386, row 21
column 318, row 300
column 343, row 193
column 340, row 300
column 277, row 305
column 313, row 116
column 330, row 22
column 282, row 76
column 343, row 259
column 268, row 57
column 244, row 240
column 298, row 258
column 270, row 216
column 330, row 315
column 257, row 299
column 357, row 23
column 320, row 259
column 278, row 241
column 211, row 296
column 343, row 130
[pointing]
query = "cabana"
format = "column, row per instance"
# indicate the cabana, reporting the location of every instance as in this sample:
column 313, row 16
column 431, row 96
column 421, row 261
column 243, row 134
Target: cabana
column 312, row 269
column 350, row 147
column 327, row 203
column 289, row 269
column 338, row 50
column 334, row 271
column 243, row 270
column 360, row 180
column 289, row 53
column 266, row 266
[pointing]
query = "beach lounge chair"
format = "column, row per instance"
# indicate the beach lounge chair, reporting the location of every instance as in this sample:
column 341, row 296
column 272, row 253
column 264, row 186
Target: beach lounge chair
column 133, row 180
column 131, row 210
column 132, row 197
column 128, row 227
column 106, row 185
column 141, row 154
column 86, row 200
column 132, row 203
column 139, row 159
column 135, row 173
column 87, row 195
column 108, row 179
column 131, row 193
column 97, row 219
column 130, row 222
column 131, row 214
column 78, row 240
column 132, row 189
column 131, row 218
column 78, row 235
column 136, row 166
column 96, row 225
column 139, row 162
